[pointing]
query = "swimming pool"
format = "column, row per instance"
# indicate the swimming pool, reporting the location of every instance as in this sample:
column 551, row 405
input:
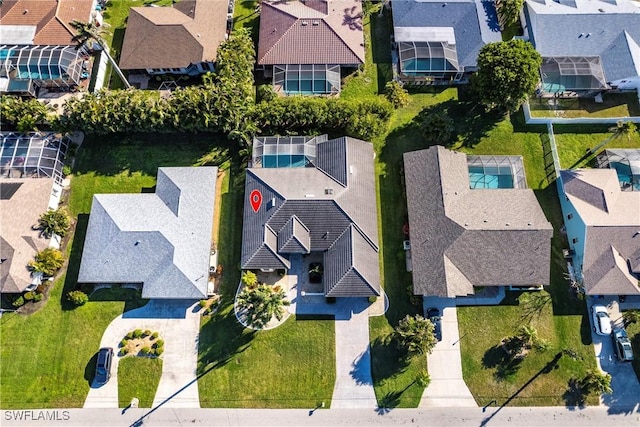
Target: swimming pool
column 283, row 161
column 625, row 176
column 479, row 178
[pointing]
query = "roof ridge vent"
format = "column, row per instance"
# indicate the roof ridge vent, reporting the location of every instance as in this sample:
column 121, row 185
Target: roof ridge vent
column 304, row 23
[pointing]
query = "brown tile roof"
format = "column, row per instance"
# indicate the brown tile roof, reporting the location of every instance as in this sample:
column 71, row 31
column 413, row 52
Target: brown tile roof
column 50, row 17
column 311, row 32
column 173, row 37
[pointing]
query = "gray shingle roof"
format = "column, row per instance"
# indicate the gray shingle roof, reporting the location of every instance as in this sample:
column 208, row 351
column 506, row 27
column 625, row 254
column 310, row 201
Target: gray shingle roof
column 462, row 238
column 161, row 240
column 612, row 219
column 474, row 23
column 610, row 30
column 313, row 32
column 299, row 196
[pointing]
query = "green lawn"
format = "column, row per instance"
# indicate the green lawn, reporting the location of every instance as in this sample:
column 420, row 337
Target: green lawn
column 572, row 144
column 245, row 16
column 292, row 366
column 138, row 377
column 613, row 105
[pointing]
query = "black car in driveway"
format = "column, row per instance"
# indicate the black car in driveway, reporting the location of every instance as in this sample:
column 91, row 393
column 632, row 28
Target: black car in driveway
column 434, row 315
column 103, row 366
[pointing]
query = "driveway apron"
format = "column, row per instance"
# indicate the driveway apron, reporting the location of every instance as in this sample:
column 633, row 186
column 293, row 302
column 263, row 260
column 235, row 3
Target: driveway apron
column 447, row 387
column 178, row 324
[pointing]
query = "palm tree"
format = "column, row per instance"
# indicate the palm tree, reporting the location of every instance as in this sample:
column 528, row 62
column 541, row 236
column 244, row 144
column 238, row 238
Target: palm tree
column 87, row 31
column 621, row 128
column 54, row 222
column 596, row 382
column 416, row 335
column 47, row 261
column 261, row 303
column 249, row 278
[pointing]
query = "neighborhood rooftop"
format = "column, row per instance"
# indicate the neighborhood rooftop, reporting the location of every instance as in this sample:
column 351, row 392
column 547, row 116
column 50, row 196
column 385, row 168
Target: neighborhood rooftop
column 462, row 237
column 161, row 240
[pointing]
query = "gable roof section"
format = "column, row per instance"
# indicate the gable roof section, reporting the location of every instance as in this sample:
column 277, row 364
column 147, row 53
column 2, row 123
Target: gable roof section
column 173, row 37
column 462, row 238
column 474, row 23
column 49, row 19
column 311, row 32
column 296, row 198
column 610, row 30
column 612, row 246
column 161, row 240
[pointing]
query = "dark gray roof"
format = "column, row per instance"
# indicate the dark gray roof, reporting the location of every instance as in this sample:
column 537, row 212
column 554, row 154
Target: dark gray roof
column 462, row 238
column 475, row 23
column 306, row 217
column 161, row 240
column 612, row 220
column 610, row 30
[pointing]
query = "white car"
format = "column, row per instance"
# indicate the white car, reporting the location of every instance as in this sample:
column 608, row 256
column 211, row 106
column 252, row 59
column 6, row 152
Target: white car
column 601, row 320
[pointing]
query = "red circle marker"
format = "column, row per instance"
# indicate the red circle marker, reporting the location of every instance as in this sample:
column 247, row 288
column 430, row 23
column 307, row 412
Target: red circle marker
column 256, row 200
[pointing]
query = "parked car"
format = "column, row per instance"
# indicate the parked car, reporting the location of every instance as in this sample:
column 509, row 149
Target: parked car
column 622, row 345
column 601, row 320
column 103, row 366
column 433, row 314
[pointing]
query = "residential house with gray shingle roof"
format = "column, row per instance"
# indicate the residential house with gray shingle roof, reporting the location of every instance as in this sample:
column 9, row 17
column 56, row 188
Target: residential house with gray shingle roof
column 303, row 44
column 439, row 41
column 160, row 240
column 464, row 237
column 306, row 195
column 585, row 44
column 602, row 220
column 178, row 39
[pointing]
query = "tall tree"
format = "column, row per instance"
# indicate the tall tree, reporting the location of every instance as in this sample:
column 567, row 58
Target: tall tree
column 87, row 32
column 596, row 382
column 508, row 11
column 416, row 334
column 261, row 303
column 507, row 73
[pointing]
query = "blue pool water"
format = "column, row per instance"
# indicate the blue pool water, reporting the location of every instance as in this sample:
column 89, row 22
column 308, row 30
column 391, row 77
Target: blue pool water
column 283, row 161
column 625, row 177
column 479, row 179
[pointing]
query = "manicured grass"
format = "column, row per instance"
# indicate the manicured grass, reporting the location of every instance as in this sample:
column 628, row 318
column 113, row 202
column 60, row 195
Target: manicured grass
column 292, row 366
column 245, row 16
column 138, row 377
column 613, row 105
column 633, row 331
column 573, row 145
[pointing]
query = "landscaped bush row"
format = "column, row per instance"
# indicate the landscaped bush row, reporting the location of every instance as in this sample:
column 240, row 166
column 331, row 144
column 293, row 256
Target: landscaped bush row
column 23, row 115
column 141, row 343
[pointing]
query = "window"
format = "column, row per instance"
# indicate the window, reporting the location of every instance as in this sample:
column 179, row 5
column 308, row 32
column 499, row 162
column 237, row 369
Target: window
column 570, row 216
column 574, row 240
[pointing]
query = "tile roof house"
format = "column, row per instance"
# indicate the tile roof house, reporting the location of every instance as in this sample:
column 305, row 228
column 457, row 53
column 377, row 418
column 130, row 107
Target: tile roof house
column 585, row 44
column 37, row 47
column 463, row 238
column 160, row 240
column 603, row 228
column 438, row 41
column 182, row 39
column 320, row 201
column 304, row 43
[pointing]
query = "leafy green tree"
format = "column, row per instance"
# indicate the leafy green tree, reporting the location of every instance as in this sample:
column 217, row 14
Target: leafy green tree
column 507, row 73
column 508, row 11
column 78, row 298
column 436, row 126
column 249, row 278
column 25, row 115
column 261, row 303
column 396, row 94
column 416, row 334
column 55, row 222
column 48, row 261
column 596, row 382
column 88, row 32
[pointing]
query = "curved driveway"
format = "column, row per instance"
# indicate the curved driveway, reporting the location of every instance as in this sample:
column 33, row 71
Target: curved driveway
column 178, row 324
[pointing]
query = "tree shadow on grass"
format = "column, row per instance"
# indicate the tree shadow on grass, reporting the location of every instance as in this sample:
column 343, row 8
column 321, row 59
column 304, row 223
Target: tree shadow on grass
column 506, row 365
column 387, row 359
column 574, row 396
column 388, row 402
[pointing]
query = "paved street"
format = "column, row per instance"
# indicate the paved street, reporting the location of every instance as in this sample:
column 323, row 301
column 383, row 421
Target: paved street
column 450, row 417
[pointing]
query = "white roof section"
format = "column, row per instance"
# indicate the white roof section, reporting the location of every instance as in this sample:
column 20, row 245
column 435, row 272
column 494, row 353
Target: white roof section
column 425, row 34
column 17, row 34
column 577, row 7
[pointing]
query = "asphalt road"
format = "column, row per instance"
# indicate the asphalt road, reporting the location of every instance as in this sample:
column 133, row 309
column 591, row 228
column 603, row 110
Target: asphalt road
column 449, row 417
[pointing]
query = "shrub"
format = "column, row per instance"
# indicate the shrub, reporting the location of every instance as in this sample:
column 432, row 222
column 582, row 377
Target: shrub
column 66, row 170
column 137, row 333
column 37, row 297
column 266, row 93
column 129, row 335
column 396, row 94
column 28, row 296
column 159, row 351
column 203, row 303
column 55, row 222
column 19, row 302
column 373, row 299
column 47, row 261
column 123, row 342
column 145, row 350
column 159, row 343
column 146, row 333
column 78, row 298
column 154, row 335
column 123, row 351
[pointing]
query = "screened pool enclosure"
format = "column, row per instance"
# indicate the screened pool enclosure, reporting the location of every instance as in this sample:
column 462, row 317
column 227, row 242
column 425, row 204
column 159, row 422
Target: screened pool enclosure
column 493, row 172
column 285, row 151
column 626, row 162
column 437, row 59
column 34, row 155
column 572, row 74
column 309, row 79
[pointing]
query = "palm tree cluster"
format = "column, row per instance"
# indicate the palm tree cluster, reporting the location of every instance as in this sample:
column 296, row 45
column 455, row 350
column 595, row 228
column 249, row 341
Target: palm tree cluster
column 416, row 335
column 261, row 302
column 54, row 222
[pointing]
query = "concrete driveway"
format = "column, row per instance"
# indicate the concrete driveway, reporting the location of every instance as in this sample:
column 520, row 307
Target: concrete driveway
column 624, row 382
column 447, row 387
column 178, row 324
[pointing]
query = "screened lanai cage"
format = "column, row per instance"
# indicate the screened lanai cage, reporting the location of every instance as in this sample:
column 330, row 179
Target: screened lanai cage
column 310, row 79
column 45, row 66
column 493, row 172
column 626, row 162
column 433, row 58
column 572, row 74
column 36, row 155
column 285, row 151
